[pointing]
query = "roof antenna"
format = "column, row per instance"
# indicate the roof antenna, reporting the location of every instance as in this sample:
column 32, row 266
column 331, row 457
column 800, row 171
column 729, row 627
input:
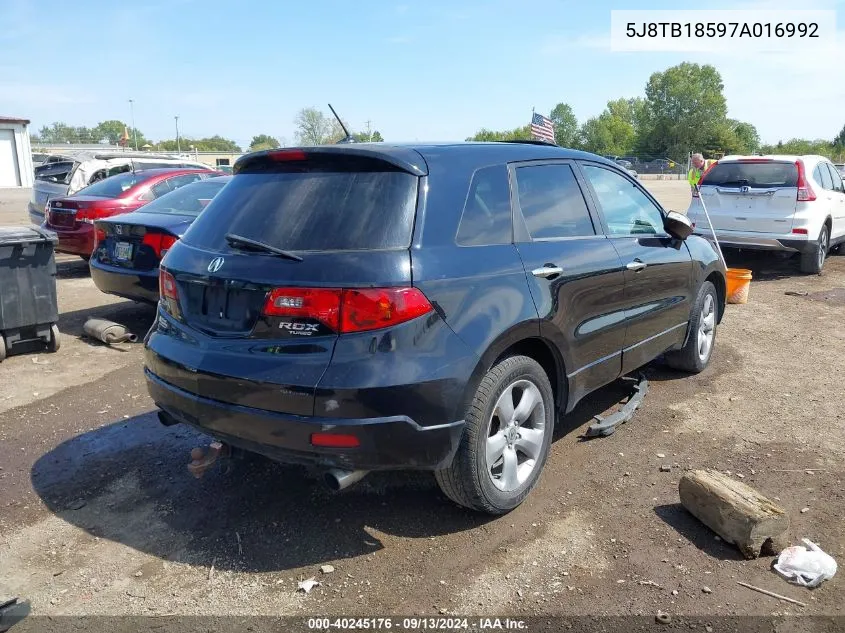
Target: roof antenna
column 348, row 138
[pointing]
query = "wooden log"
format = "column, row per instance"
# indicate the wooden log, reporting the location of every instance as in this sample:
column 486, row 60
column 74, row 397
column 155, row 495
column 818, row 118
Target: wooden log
column 735, row 511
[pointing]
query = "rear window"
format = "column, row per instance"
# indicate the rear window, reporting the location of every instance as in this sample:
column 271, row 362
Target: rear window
column 112, row 187
column 188, row 200
column 312, row 211
column 755, row 175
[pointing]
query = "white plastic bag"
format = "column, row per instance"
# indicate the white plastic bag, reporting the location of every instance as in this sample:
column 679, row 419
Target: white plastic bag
column 805, row 567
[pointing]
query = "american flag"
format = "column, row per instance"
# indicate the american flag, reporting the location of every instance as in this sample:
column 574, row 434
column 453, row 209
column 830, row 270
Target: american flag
column 542, row 128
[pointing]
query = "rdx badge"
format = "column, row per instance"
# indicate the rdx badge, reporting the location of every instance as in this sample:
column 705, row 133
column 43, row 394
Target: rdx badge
column 303, row 329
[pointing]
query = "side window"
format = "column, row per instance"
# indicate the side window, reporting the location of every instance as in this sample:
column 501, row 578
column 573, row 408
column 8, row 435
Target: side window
column 181, row 181
column 627, row 210
column 837, row 179
column 827, row 181
column 161, row 188
column 487, row 216
column 147, row 196
column 552, row 203
column 817, row 174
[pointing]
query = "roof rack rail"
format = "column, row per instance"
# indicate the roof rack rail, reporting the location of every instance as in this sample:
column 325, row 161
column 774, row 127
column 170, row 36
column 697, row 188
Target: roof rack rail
column 531, row 142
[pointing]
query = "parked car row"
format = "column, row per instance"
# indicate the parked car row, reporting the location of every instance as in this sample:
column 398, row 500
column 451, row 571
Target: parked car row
column 792, row 204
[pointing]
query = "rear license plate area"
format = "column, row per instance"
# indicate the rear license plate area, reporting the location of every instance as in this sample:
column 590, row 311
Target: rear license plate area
column 123, row 251
column 62, row 218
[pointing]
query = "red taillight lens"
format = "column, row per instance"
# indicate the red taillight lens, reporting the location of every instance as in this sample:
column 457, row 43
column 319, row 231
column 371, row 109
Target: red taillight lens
column 167, row 285
column 99, row 236
column 805, row 191
column 89, row 214
column 159, row 242
column 374, row 308
column 322, row 304
column 800, row 231
column 334, row 440
column 349, row 310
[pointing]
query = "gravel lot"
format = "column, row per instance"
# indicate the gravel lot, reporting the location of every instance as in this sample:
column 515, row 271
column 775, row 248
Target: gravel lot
column 98, row 514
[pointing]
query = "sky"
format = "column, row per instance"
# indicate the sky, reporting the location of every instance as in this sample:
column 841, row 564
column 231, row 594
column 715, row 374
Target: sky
column 429, row 70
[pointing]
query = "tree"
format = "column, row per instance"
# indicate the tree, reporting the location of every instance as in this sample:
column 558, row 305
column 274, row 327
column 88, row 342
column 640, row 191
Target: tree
column 113, row 130
column 57, row 132
column 263, row 141
column 314, row 128
column 683, row 103
column 839, row 141
column 747, row 136
column 211, row 144
column 566, row 125
column 519, row 134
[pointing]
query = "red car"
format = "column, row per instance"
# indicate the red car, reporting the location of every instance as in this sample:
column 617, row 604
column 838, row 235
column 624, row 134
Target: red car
column 72, row 218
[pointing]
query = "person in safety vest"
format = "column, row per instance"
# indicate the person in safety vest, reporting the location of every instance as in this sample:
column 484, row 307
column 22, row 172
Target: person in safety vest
column 697, row 168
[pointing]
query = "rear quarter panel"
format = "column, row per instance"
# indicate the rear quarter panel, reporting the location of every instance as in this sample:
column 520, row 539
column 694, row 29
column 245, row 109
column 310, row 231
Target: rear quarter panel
column 706, row 262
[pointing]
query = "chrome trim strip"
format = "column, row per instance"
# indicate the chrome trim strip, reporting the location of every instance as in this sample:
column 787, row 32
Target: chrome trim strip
column 651, row 338
column 594, row 363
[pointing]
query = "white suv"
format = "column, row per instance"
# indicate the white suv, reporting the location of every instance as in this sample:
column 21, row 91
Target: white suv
column 778, row 203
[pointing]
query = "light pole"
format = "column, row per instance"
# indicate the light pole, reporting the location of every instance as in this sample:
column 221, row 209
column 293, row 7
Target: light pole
column 178, row 146
column 132, row 115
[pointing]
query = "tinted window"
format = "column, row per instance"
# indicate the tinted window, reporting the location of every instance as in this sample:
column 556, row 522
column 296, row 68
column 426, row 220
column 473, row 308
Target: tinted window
column 836, row 177
column 627, row 210
column 552, row 203
column 762, row 175
column 187, row 200
column 312, row 210
column 826, row 181
column 487, row 214
column 161, row 188
column 112, row 187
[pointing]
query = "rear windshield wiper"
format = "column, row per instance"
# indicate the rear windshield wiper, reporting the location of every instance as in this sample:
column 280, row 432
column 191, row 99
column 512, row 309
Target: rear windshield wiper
column 245, row 242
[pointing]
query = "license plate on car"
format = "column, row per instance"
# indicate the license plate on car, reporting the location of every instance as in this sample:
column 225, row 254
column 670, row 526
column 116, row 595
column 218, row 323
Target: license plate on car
column 123, row 251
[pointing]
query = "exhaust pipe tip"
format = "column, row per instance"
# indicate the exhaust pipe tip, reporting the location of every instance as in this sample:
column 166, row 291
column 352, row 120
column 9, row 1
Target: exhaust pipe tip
column 337, row 479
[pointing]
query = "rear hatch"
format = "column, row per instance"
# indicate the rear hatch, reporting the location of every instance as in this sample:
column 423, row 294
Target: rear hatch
column 341, row 222
column 749, row 195
column 51, row 181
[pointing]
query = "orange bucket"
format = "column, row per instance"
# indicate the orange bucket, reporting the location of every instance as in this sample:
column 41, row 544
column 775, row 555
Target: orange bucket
column 738, row 282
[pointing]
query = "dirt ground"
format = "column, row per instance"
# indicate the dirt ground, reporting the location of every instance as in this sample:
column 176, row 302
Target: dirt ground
column 98, row 514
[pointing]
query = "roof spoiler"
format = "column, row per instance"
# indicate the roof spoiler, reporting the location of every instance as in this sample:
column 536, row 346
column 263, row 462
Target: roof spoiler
column 403, row 158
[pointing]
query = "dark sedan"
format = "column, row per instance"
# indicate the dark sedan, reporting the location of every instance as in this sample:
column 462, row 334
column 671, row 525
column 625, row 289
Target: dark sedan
column 129, row 248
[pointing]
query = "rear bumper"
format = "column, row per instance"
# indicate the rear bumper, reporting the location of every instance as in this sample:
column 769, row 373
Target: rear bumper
column 790, row 243
column 76, row 241
column 388, row 443
column 129, row 284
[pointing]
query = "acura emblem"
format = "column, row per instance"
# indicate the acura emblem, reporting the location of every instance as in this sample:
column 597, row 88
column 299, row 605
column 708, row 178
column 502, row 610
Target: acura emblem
column 215, row 265
column 745, row 189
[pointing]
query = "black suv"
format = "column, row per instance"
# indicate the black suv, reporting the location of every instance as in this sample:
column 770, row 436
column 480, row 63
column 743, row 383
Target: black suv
column 375, row 306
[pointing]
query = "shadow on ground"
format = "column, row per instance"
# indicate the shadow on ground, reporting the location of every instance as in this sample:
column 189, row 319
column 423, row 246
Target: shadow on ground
column 765, row 265
column 677, row 517
column 128, row 482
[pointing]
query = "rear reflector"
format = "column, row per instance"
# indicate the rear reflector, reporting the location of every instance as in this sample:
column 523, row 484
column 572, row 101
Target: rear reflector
column 334, row 440
column 805, row 191
column 800, row 231
column 349, row 310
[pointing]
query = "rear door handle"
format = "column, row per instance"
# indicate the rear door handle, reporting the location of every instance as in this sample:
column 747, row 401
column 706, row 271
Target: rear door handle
column 636, row 265
column 547, row 271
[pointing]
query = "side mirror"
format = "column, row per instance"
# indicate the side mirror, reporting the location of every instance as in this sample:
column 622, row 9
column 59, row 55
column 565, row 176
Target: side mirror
column 677, row 225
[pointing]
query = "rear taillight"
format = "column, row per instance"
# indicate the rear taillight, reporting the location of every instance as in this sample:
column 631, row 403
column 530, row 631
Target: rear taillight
column 159, row 242
column 349, row 310
column 285, row 155
column 805, row 191
column 167, row 285
column 335, row 440
column 99, row 236
column 89, row 214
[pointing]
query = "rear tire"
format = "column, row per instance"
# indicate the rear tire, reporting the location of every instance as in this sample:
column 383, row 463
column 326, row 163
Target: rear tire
column 2, row 348
column 813, row 262
column 55, row 342
column 695, row 355
column 509, row 427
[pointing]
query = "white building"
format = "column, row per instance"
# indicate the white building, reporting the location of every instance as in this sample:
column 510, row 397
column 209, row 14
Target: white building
column 15, row 153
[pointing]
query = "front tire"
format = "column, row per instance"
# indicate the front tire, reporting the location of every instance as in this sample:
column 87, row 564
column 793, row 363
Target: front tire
column 813, row 262
column 509, row 427
column 695, row 355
